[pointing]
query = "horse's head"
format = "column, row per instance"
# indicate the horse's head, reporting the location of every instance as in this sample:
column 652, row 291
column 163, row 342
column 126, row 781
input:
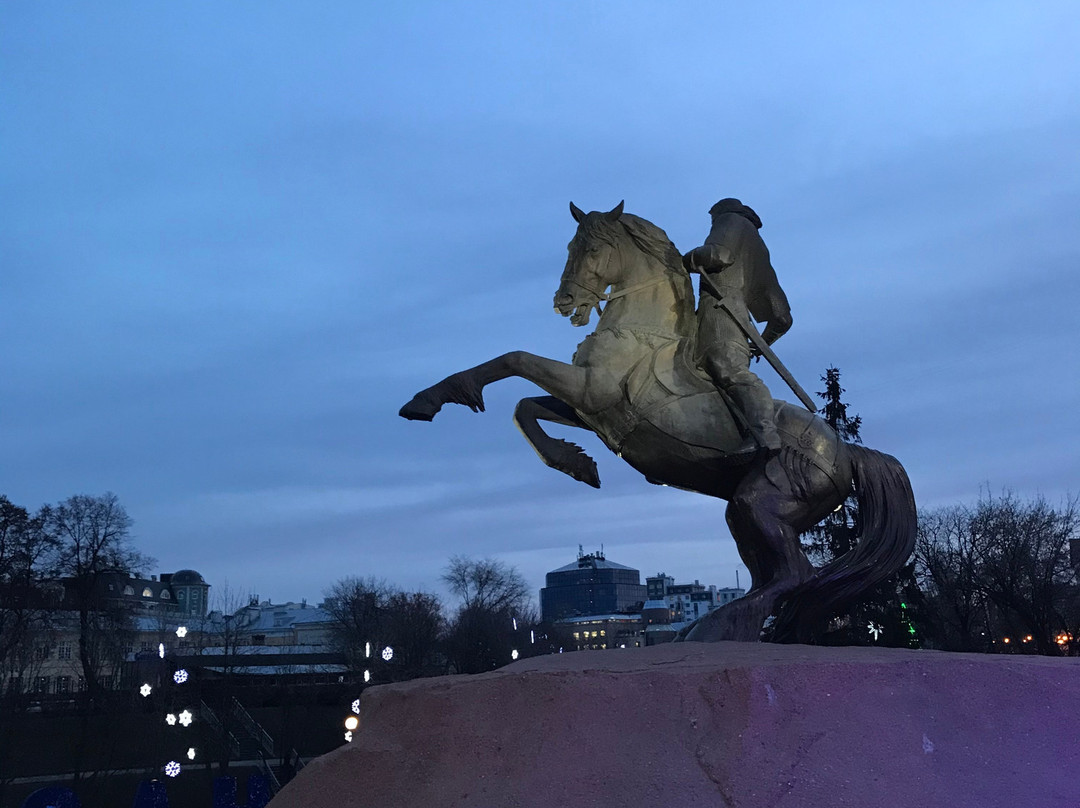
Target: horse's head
column 588, row 266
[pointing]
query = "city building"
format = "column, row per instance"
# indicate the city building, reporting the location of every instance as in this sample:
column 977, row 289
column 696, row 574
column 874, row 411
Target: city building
column 181, row 593
column 150, row 610
column 599, row 632
column 592, row 585
column 687, row 602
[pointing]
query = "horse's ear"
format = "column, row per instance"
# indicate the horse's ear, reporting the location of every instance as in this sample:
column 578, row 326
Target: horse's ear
column 577, row 213
column 614, row 214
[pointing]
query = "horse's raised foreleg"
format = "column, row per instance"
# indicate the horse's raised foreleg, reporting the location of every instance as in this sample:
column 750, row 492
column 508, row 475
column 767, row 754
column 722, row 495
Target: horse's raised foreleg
column 561, row 455
column 577, row 386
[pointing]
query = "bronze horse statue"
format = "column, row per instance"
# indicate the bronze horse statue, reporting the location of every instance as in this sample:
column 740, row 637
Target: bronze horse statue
column 633, row 382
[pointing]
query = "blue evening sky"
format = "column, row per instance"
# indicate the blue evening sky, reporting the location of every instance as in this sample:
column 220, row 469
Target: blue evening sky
column 236, row 237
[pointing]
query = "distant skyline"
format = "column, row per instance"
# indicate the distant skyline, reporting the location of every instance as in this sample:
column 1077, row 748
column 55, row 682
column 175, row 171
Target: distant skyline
column 235, row 239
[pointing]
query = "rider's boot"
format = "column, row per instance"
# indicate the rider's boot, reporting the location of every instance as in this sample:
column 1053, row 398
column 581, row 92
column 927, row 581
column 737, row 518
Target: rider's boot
column 757, row 407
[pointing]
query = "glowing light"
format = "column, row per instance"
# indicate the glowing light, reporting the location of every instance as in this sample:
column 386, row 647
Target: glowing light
column 352, row 722
column 356, row 706
column 170, row 719
column 185, row 718
column 532, row 636
column 514, row 654
column 1028, row 638
column 161, row 650
column 348, row 736
column 191, row 753
column 515, row 622
column 181, row 632
column 367, row 676
column 144, row 691
column 874, row 629
column 180, row 676
column 367, row 650
column 1007, row 640
column 387, row 653
column 172, row 768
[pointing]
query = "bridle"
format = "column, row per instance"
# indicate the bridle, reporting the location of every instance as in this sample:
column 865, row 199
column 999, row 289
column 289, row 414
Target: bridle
column 614, row 294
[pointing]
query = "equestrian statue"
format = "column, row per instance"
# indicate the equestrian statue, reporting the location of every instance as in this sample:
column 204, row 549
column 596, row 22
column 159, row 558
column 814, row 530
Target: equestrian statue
column 668, row 388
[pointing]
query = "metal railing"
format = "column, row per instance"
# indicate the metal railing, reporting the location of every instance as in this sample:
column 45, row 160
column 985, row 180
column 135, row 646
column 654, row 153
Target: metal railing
column 261, row 736
column 268, row 770
column 207, row 715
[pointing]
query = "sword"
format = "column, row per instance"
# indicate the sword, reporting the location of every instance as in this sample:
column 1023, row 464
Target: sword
column 761, row 345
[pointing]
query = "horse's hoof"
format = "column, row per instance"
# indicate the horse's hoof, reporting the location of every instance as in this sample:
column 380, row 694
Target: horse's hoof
column 419, row 410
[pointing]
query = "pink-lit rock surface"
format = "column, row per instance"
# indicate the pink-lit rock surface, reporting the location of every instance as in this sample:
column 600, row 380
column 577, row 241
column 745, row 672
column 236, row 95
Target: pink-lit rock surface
column 726, row 724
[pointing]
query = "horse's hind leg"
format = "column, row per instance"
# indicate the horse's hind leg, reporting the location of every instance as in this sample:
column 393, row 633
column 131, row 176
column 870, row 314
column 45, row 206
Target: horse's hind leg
column 561, row 455
column 761, row 517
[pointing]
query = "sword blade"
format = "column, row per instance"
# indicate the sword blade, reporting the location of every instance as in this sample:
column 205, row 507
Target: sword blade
column 762, row 347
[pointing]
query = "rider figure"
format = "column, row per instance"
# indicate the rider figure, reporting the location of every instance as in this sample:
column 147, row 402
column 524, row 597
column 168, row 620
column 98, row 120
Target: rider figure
column 737, row 261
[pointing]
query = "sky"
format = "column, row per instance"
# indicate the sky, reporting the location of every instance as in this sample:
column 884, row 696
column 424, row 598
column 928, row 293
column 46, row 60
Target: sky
column 236, row 237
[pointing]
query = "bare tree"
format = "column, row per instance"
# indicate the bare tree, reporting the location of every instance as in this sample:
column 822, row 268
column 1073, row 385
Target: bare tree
column 493, row 598
column 359, row 607
column 25, row 548
column 1001, row 568
column 93, row 538
column 486, row 584
column 370, row 613
column 1026, row 569
column 949, row 555
column 414, row 626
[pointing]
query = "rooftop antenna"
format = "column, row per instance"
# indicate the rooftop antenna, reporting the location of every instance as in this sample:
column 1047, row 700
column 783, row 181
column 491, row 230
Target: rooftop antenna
column 737, row 578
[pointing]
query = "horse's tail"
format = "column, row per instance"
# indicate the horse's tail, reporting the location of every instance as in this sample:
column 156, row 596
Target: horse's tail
column 886, row 540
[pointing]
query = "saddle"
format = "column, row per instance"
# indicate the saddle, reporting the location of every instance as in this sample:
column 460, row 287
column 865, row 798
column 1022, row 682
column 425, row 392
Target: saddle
column 707, row 419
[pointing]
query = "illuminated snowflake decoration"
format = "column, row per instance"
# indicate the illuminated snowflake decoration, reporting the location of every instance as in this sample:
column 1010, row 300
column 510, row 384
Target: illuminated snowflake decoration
column 185, row 719
column 180, row 676
column 170, row 719
column 387, row 653
column 514, row 654
column 367, row 676
column 874, row 629
column 172, row 768
column 191, row 753
column 144, row 691
column 348, row 736
column 367, row 650
column 356, row 706
column 161, row 650
column 181, row 632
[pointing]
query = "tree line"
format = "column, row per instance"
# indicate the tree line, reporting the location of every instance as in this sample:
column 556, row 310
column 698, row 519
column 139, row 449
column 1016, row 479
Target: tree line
column 493, row 622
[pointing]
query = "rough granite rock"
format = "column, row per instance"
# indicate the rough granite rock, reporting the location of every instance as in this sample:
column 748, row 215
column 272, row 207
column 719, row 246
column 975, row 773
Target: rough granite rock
column 728, row 724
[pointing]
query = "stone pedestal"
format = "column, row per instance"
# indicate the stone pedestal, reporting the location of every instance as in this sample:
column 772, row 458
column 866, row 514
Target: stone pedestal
column 727, row 724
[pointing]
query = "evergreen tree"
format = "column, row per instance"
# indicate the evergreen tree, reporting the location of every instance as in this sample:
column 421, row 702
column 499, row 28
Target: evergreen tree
column 885, row 615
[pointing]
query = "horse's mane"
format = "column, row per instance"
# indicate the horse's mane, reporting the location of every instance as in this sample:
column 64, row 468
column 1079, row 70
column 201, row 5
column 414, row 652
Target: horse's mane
column 654, row 241
column 647, row 236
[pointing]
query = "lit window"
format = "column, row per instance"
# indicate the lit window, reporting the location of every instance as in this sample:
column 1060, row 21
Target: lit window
column 603, row 633
column 146, row 593
column 128, row 590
